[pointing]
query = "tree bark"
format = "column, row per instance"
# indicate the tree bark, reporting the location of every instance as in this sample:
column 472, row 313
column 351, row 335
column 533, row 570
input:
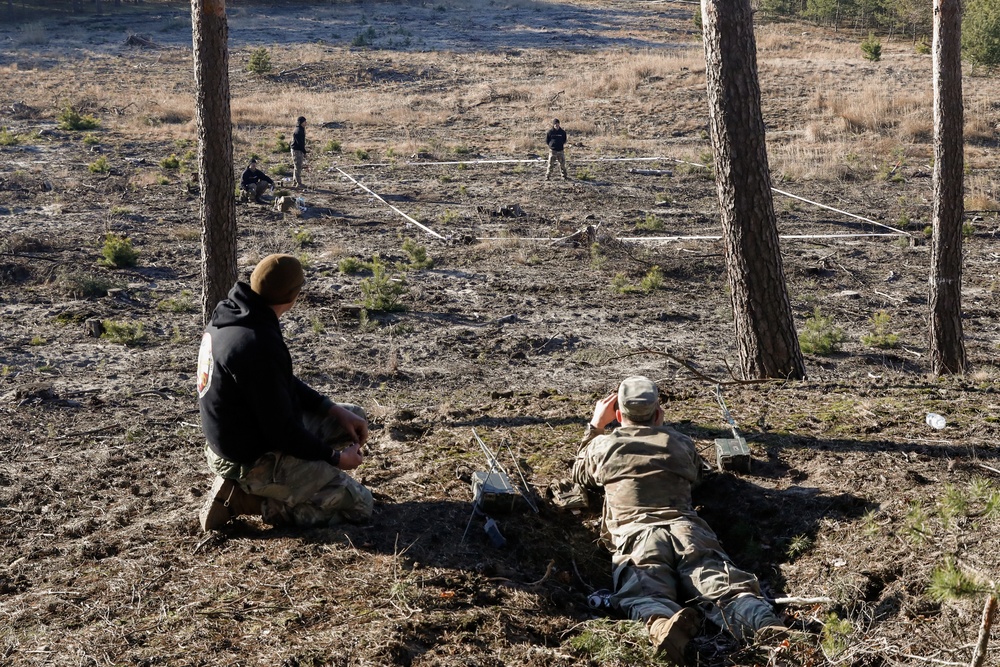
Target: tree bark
column 210, row 33
column 765, row 330
column 947, row 345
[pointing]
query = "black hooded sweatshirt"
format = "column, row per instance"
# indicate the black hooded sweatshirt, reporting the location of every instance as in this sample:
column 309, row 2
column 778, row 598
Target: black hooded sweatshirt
column 251, row 403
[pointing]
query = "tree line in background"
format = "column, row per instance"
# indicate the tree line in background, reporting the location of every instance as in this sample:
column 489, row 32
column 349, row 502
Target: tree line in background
column 912, row 18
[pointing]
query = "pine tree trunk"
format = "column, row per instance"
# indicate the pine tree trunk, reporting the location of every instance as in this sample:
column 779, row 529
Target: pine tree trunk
column 765, row 330
column 947, row 345
column 215, row 151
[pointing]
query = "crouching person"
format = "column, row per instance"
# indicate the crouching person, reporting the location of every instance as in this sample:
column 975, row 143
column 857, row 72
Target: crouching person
column 669, row 567
column 278, row 448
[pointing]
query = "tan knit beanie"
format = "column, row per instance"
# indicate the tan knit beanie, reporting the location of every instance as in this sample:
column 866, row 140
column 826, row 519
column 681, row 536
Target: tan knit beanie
column 277, row 279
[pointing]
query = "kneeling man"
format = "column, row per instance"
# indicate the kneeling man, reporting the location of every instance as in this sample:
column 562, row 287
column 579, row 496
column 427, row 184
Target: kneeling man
column 278, row 448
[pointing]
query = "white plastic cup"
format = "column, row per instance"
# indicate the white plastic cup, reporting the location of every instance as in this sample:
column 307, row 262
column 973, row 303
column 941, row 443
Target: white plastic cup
column 934, row 420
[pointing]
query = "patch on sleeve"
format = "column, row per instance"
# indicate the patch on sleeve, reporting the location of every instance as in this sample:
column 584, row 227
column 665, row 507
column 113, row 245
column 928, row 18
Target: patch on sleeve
column 206, row 363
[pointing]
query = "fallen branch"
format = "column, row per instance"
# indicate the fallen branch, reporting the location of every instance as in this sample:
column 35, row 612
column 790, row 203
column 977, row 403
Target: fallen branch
column 294, row 69
column 793, row 600
column 989, row 613
column 548, row 572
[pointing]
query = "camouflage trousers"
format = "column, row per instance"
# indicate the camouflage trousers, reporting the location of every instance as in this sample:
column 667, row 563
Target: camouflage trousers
column 661, row 569
column 556, row 157
column 299, row 492
column 298, row 159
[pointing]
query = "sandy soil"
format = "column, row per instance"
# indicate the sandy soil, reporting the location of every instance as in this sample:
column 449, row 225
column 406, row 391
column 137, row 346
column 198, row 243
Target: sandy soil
column 851, row 495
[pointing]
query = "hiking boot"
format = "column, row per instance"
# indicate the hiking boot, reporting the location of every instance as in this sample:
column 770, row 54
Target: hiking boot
column 671, row 635
column 226, row 501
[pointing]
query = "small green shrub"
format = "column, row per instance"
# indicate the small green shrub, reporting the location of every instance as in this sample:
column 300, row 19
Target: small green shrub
column 949, row 582
column 597, row 258
column 798, row 546
column 171, row 162
column 332, row 146
column 162, row 180
column 608, row 642
column 8, row 138
column 880, row 336
column 70, row 119
column 620, row 283
column 584, row 174
column 836, row 635
column 820, row 335
column 382, row 292
column 449, row 216
column 181, row 304
column 85, row 285
column 968, row 230
column 361, row 154
column 364, row 38
column 37, row 341
column 922, row 47
column 280, row 145
column 302, row 238
column 99, row 166
column 90, row 139
column 417, row 254
column 915, row 523
column 281, row 170
column 260, row 61
column 129, row 334
column 349, row 265
column 871, row 48
column 118, row 252
column 649, row 224
column 653, row 280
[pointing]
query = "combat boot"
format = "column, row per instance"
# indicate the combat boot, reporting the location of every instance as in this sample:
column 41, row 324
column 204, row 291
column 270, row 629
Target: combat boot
column 226, row 501
column 671, row 635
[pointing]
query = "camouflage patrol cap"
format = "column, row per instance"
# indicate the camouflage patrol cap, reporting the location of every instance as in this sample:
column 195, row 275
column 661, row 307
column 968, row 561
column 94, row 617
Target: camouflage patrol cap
column 278, row 279
column 638, row 398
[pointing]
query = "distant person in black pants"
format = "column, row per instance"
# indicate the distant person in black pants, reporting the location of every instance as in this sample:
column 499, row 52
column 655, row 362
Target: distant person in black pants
column 299, row 150
column 556, row 140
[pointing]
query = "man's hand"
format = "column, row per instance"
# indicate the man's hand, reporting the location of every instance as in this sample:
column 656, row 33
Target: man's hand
column 351, row 457
column 355, row 427
column 604, row 411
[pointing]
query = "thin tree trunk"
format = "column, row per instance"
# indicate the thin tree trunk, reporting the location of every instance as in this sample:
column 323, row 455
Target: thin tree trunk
column 210, row 33
column 947, row 345
column 765, row 330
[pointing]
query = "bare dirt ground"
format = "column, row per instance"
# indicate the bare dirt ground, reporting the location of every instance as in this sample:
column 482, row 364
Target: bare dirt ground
column 851, row 495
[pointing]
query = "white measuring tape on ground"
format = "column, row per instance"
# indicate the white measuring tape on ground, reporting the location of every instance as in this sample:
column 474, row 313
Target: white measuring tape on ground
column 631, row 239
column 379, row 197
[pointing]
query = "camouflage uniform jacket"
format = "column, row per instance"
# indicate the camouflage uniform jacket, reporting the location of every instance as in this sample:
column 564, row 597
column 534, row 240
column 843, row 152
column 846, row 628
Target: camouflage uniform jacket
column 646, row 472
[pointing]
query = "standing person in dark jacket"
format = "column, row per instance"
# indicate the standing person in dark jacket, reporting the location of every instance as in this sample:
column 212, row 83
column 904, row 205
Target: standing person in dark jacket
column 299, row 150
column 278, row 447
column 254, row 182
column 555, row 138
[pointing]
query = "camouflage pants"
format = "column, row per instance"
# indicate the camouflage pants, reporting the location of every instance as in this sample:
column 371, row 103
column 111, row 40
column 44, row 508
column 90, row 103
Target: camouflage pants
column 298, row 158
column 554, row 157
column 663, row 568
column 299, row 492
